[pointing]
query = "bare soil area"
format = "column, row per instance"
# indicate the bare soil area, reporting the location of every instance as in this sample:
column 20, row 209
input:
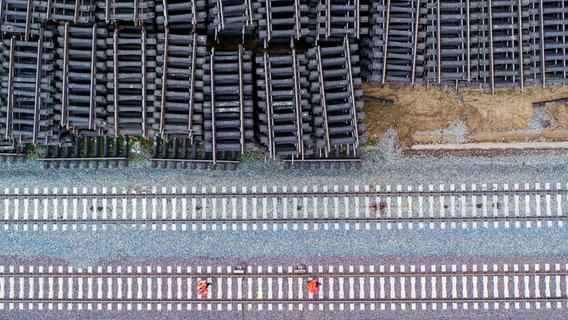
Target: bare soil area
column 425, row 115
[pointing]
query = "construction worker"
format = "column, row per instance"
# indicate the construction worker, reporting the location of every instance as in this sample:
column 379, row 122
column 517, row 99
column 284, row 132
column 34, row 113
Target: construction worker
column 312, row 285
column 202, row 287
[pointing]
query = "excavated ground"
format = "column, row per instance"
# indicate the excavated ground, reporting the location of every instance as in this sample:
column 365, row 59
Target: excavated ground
column 434, row 115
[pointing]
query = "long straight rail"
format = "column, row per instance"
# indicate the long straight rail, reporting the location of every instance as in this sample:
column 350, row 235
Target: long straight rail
column 491, row 49
column 386, row 44
column 37, row 95
column 241, row 100
column 107, row 11
column 268, row 19
column 213, row 130
column 297, row 27
column 164, row 76
column 28, row 18
column 143, row 71
column 439, row 43
column 269, row 113
column 298, row 271
column 10, row 95
column 297, row 100
column 135, row 13
column 468, row 44
column 323, row 101
column 192, row 88
column 78, row 4
column 542, row 53
column 352, row 91
column 240, row 221
column 276, row 194
column 357, row 18
column 115, row 80
column 328, row 18
column 165, row 13
column 64, row 84
column 415, row 40
column 527, row 286
column 521, row 57
column 93, row 83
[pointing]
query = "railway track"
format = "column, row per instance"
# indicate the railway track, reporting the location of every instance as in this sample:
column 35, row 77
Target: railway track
column 363, row 287
column 345, row 207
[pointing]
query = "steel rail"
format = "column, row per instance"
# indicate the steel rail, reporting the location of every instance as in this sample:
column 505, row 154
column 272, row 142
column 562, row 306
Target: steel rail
column 241, row 100
column 237, row 273
column 64, row 80
column 456, row 219
column 76, row 10
column 269, row 111
column 352, row 91
column 212, row 81
column 468, row 41
column 115, row 78
column 542, row 53
column 415, row 41
column 191, row 102
column 143, row 80
column 386, row 44
column 276, row 300
column 28, row 22
column 164, row 76
column 323, row 100
column 491, row 48
column 93, row 82
column 10, row 94
column 261, row 194
column 83, row 159
column 193, row 160
column 297, row 100
column 520, row 44
column 37, row 93
column 438, row 42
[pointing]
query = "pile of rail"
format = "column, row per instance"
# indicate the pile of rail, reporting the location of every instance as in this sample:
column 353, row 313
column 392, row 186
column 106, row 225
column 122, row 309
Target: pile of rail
column 467, row 43
column 191, row 70
column 79, row 70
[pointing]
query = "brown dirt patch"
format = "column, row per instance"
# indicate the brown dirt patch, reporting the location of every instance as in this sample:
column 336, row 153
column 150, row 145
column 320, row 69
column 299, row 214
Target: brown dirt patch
column 488, row 118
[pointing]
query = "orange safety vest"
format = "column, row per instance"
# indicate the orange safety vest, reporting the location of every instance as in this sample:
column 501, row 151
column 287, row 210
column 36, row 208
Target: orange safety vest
column 202, row 287
column 312, row 286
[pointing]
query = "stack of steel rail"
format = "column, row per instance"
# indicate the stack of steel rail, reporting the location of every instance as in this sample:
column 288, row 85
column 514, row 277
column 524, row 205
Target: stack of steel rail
column 230, row 18
column 130, row 80
column 467, row 43
column 228, row 104
column 139, row 12
column 126, row 67
column 335, row 99
column 283, row 107
column 22, row 18
column 336, row 19
column 178, row 107
column 81, row 80
column 282, row 21
column 73, row 11
column 26, row 113
column 182, row 15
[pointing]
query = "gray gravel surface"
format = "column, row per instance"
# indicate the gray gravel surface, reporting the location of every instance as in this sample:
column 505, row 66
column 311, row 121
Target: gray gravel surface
column 84, row 248
column 299, row 315
column 383, row 165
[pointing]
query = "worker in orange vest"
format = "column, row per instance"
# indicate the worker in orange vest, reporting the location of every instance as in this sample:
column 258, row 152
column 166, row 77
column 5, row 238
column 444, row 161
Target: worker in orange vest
column 312, row 286
column 202, row 287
